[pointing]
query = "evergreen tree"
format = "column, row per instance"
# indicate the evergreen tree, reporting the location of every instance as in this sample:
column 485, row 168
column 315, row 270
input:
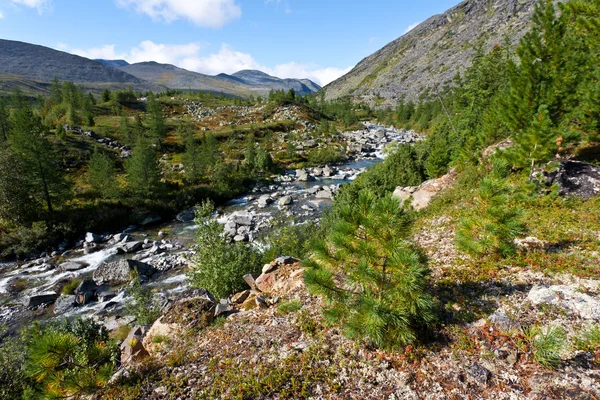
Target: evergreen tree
column 250, row 154
column 124, row 129
column 143, row 172
column 494, row 223
column 28, row 142
column 60, row 132
column 375, row 284
column 264, row 162
column 102, row 174
column 192, row 157
column 4, row 121
column 17, row 205
column 106, row 96
column 158, row 128
column 210, row 152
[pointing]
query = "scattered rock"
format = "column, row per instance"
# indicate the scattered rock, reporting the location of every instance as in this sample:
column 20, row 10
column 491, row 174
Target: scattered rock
column 92, row 237
column 130, row 247
column 285, row 201
column 422, row 195
column 72, row 266
column 41, row 299
column 64, row 304
column 567, row 297
column 503, row 321
column 241, row 297
column 480, row 374
column 132, row 348
column 574, row 178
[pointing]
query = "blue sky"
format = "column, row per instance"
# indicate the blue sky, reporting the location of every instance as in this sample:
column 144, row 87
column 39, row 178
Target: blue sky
column 316, row 39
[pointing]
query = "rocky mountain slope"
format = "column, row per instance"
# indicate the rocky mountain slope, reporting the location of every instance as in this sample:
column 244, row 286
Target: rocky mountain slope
column 42, row 64
column 243, row 83
column 113, row 63
column 430, row 55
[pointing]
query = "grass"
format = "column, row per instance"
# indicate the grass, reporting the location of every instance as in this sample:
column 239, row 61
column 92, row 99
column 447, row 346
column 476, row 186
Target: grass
column 547, row 344
column 70, row 287
column 289, row 306
column 589, row 339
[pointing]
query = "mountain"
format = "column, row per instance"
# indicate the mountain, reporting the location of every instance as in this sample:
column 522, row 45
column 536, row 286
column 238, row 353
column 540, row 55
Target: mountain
column 261, row 79
column 113, row 63
column 243, row 83
column 431, row 54
column 42, row 64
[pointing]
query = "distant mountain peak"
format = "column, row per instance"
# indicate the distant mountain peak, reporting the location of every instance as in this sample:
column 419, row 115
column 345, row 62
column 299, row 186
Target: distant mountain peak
column 112, row 63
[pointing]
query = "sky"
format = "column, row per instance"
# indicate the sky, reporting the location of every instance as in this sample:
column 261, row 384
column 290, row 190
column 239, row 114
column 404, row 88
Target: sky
column 316, row 39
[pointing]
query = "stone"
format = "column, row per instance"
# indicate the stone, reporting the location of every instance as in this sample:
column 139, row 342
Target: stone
column 480, row 374
column 285, row 201
column 424, row 193
column 493, row 149
column 240, row 238
column 193, row 308
column 574, row 178
column 241, row 297
column 327, row 171
column 303, row 176
column 503, row 321
column 568, row 298
column 41, row 299
column 221, row 309
column 92, row 237
column 129, row 247
column 159, row 329
column 72, row 266
column 242, row 218
column 249, row 279
column 264, row 201
column 64, row 304
column 268, row 268
column 262, row 301
column 132, row 348
column 119, row 272
column 285, row 260
column 84, row 298
column 531, row 243
column 187, row 216
column 325, row 194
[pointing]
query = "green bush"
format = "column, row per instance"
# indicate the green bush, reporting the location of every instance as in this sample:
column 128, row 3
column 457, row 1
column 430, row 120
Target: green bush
column 375, row 284
column 328, row 155
column 493, row 223
column 219, row 266
column 68, row 360
column 142, row 305
column 286, row 238
column 12, row 355
column 70, row 287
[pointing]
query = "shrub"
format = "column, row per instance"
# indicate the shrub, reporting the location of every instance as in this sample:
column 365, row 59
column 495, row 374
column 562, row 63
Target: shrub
column 11, row 361
column 325, row 156
column 68, row 360
column 142, row 305
column 589, row 340
column 286, row 238
column 493, row 224
column 375, row 284
column 290, row 306
column 219, row 265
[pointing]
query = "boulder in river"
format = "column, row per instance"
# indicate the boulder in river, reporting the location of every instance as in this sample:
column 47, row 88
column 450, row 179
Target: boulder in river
column 64, row 304
column 187, row 216
column 285, row 201
column 72, row 266
column 118, row 272
column 129, row 247
column 92, row 237
column 39, row 299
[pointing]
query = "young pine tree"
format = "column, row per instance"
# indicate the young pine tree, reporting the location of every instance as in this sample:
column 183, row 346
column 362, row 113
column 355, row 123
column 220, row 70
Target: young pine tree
column 158, row 129
column 102, row 175
column 143, row 172
column 192, row 159
column 374, row 283
column 493, row 224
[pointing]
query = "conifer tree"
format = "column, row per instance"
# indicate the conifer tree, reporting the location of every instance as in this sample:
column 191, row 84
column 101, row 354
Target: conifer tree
column 4, row 121
column 158, row 128
column 102, row 174
column 494, row 223
column 192, row 157
column 143, row 172
column 374, row 283
column 27, row 141
column 17, row 205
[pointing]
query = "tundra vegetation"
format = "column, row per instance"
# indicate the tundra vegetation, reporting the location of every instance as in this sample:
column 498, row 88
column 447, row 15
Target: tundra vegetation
column 375, row 284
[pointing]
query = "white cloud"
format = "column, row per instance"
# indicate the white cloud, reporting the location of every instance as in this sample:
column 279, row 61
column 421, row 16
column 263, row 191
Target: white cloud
column 227, row 60
column 411, row 27
column 39, row 4
column 208, row 13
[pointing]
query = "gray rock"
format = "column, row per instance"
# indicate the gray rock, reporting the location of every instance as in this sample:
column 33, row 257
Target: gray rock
column 567, row 297
column 264, row 201
column 119, row 237
column 187, row 215
column 150, row 219
column 119, row 272
column 480, row 374
column 129, row 247
column 221, row 309
column 242, row 218
column 72, row 266
column 92, row 237
column 285, row 201
column 240, row 238
column 64, row 304
column 249, row 279
column 325, row 194
column 575, row 179
column 303, row 176
column 285, row 260
column 503, row 321
column 41, row 299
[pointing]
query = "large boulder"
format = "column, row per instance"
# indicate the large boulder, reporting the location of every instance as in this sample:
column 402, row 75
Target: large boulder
column 285, row 201
column 92, row 237
column 422, row 195
column 64, row 304
column 193, row 308
column 40, row 299
column 303, row 176
column 118, row 272
column 574, row 178
column 129, row 247
column 187, row 215
column 264, row 201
